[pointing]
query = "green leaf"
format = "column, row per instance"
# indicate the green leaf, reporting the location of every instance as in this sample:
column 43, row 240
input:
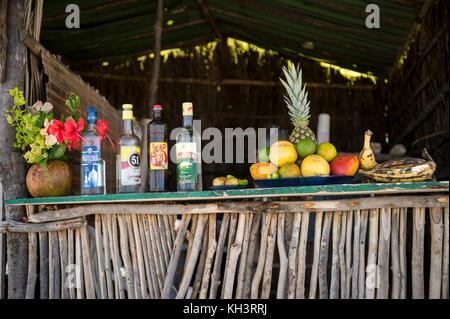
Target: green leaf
column 43, row 163
column 57, row 152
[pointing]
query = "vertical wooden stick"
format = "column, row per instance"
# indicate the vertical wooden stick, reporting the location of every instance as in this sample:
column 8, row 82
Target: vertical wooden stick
column 355, row 268
column 267, row 277
column 418, row 291
column 149, row 270
column 262, row 256
column 32, row 258
column 323, row 256
column 201, row 266
column 79, row 278
column 402, row 251
column 395, row 255
column 100, row 257
column 348, row 253
column 244, row 257
column 231, row 236
column 178, row 244
column 235, row 251
column 437, row 231
column 362, row 255
column 158, row 220
column 212, row 245
column 107, row 257
column 71, row 260
column 119, row 284
column 251, row 259
column 383, row 253
column 342, row 255
column 157, row 242
column 153, row 255
column 186, row 279
column 168, row 233
column 334, row 287
column 292, row 262
column 64, row 263
column 139, row 256
column 371, row 269
column 215, row 276
column 133, row 255
column 282, row 276
column 87, row 266
column 315, row 265
column 301, row 265
column 445, row 257
column 190, row 237
column 126, row 256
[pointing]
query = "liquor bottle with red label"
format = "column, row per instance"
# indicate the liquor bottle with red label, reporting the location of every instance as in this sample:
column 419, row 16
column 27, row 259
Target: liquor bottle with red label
column 128, row 159
column 158, row 152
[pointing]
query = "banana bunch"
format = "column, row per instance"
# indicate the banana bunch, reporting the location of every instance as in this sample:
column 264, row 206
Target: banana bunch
column 402, row 170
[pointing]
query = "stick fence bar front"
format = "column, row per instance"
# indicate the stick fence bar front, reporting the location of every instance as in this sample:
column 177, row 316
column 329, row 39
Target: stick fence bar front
column 360, row 248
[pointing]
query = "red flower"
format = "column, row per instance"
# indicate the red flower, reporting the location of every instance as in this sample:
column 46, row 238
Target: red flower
column 56, row 128
column 102, row 127
column 71, row 133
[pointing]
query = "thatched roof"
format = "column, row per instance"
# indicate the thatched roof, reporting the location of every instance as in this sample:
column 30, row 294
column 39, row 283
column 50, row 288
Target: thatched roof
column 330, row 30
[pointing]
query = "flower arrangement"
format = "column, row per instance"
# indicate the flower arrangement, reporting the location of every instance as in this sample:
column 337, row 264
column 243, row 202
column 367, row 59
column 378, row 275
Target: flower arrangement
column 42, row 137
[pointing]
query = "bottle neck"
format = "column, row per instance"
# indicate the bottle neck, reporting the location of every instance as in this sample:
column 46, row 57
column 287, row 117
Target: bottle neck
column 127, row 127
column 187, row 120
column 157, row 114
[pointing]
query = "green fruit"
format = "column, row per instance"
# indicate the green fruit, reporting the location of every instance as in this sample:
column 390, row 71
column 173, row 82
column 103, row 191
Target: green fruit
column 275, row 175
column 263, row 155
column 232, row 181
column 243, row 182
column 290, row 170
column 230, row 176
column 269, row 176
column 306, row 147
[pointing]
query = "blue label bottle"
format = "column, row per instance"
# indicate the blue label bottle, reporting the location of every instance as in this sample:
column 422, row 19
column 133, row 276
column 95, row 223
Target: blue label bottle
column 92, row 164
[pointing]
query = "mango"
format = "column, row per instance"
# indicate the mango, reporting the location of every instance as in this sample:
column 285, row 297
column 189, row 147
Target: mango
column 344, row 165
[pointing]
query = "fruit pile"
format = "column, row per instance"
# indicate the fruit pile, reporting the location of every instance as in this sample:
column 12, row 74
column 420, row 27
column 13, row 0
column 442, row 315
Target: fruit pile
column 229, row 180
column 306, row 159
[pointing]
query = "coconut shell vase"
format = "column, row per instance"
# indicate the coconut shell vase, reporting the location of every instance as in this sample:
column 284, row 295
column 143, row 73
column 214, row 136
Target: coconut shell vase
column 52, row 181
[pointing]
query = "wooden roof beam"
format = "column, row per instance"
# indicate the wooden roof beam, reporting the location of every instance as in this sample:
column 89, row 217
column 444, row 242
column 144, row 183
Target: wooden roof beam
column 205, row 11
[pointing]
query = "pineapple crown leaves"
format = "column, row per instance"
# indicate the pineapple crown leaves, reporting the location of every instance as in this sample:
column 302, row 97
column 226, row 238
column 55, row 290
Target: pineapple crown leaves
column 296, row 98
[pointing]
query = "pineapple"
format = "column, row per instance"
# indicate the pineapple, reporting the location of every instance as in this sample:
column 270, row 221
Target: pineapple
column 297, row 102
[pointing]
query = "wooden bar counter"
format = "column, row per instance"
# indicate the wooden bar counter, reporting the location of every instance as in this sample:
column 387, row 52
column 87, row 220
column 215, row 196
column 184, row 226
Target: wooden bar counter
column 363, row 239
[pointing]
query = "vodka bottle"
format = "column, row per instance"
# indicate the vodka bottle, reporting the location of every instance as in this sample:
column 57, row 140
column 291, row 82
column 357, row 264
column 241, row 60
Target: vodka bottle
column 188, row 157
column 128, row 159
column 92, row 164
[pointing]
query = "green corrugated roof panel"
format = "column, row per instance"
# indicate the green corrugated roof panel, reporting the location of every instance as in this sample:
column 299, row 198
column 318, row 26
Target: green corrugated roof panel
column 116, row 29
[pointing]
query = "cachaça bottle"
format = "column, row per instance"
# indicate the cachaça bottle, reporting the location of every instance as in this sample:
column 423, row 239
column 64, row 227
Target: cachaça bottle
column 128, row 159
column 158, row 172
column 188, row 156
column 92, row 164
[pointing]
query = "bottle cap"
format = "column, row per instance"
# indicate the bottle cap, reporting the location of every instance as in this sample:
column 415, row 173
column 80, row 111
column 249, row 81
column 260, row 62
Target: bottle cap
column 92, row 115
column 188, row 109
column 157, row 107
column 127, row 106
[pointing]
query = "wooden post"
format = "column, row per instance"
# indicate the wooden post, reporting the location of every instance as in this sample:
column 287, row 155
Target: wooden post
column 362, row 255
column 292, row 273
column 12, row 174
column 395, row 255
column 383, row 253
column 268, row 264
column 402, row 251
column 2, row 246
column 215, row 276
column 301, row 265
column 212, row 245
column 437, row 230
column 244, row 257
column 417, row 253
column 315, row 265
column 356, row 256
column 342, row 256
column 445, row 258
column 371, row 269
column 334, row 287
column 283, row 257
column 323, row 256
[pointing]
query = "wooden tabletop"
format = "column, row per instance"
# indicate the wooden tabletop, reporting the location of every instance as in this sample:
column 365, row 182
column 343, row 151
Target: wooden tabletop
column 248, row 193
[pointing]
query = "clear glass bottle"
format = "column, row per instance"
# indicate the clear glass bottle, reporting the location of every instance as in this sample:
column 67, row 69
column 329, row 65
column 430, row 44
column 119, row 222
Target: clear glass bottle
column 128, row 159
column 188, row 175
column 137, row 128
column 158, row 158
column 92, row 164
